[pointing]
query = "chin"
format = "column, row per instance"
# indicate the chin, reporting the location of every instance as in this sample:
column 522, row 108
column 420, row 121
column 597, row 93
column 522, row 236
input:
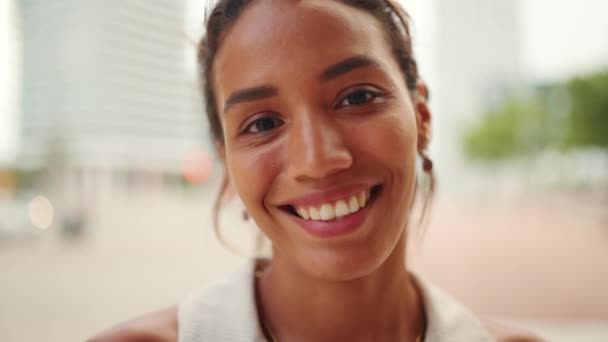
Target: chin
column 344, row 263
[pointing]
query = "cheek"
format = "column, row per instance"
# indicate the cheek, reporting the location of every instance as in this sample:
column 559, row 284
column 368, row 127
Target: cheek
column 390, row 140
column 389, row 144
column 252, row 172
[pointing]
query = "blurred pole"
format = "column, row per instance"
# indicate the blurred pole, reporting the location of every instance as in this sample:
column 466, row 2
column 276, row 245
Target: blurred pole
column 9, row 82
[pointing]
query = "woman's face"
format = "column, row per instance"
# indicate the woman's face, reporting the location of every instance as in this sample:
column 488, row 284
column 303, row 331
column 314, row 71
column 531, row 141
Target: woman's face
column 320, row 133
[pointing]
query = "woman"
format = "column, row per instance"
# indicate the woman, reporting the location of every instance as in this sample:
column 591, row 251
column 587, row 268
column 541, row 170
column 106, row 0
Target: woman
column 319, row 115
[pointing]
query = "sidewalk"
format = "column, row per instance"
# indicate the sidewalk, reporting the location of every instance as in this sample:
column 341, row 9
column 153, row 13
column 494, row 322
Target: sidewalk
column 541, row 261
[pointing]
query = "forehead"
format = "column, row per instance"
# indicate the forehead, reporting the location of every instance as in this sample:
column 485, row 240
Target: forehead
column 278, row 39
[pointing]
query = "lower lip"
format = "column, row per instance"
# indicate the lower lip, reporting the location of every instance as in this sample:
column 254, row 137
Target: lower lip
column 337, row 227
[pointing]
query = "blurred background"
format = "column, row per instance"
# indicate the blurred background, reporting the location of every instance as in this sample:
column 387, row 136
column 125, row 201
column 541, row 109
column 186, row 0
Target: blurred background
column 107, row 174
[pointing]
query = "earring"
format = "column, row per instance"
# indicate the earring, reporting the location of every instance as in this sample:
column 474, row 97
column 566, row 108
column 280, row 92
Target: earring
column 245, row 215
column 427, row 168
column 427, row 163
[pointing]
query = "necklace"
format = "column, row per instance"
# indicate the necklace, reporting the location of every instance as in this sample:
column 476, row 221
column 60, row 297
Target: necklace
column 269, row 333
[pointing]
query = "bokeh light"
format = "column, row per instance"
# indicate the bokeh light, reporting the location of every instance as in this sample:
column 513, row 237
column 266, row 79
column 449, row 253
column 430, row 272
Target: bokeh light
column 197, row 167
column 41, row 212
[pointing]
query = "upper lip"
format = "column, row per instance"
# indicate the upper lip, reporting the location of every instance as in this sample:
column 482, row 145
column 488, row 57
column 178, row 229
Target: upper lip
column 326, row 196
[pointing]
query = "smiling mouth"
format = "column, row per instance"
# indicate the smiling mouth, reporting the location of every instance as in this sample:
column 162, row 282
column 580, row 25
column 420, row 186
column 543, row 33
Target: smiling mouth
column 334, row 210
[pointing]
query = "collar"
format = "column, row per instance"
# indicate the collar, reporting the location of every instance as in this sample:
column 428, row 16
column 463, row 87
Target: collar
column 226, row 311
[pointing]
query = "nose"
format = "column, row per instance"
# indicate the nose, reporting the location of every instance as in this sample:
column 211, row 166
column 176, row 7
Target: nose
column 316, row 148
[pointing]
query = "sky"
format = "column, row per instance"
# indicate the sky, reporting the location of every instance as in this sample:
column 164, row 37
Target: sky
column 563, row 37
column 559, row 38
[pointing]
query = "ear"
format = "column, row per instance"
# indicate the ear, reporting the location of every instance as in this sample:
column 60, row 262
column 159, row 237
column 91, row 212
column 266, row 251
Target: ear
column 423, row 116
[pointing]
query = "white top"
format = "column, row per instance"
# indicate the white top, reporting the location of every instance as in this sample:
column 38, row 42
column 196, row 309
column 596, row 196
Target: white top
column 226, row 311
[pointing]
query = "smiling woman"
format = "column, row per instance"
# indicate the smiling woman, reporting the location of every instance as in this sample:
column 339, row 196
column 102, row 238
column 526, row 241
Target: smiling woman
column 319, row 114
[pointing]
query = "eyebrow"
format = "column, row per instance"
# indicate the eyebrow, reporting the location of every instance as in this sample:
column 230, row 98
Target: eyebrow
column 250, row 94
column 346, row 66
column 333, row 71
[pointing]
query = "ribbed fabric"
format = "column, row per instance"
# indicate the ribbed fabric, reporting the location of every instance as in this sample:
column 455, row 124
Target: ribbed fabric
column 226, row 311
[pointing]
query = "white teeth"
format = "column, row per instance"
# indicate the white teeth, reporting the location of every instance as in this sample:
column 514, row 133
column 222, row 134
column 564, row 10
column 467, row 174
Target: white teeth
column 303, row 213
column 330, row 211
column 327, row 212
column 341, row 209
column 314, row 214
column 362, row 199
column 353, row 205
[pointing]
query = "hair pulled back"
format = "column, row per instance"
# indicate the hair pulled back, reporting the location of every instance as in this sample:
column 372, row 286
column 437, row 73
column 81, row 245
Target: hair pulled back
column 392, row 17
column 223, row 15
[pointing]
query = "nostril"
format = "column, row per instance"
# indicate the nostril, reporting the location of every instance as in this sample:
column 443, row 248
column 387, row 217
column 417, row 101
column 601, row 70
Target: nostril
column 317, row 150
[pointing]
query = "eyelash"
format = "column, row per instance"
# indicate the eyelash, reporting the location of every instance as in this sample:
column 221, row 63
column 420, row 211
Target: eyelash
column 260, row 119
column 372, row 95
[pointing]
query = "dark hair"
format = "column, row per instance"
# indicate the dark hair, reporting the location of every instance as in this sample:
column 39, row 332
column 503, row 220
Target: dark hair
column 392, row 17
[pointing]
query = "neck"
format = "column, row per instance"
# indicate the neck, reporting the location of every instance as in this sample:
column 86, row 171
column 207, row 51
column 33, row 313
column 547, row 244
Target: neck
column 382, row 306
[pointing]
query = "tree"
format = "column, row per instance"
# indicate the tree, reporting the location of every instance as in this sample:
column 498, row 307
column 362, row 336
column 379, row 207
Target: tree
column 523, row 126
column 588, row 120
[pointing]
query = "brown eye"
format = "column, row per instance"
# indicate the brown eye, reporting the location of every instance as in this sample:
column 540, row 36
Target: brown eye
column 358, row 97
column 263, row 125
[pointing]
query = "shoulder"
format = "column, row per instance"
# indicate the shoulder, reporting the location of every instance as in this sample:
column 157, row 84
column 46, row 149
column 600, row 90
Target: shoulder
column 504, row 333
column 448, row 317
column 223, row 310
column 159, row 326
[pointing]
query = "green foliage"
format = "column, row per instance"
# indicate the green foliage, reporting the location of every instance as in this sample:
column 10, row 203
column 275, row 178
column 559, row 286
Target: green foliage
column 570, row 115
column 588, row 120
column 513, row 128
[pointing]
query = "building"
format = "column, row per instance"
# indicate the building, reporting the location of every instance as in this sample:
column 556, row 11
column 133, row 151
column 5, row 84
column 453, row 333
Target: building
column 479, row 59
column 106, row 90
